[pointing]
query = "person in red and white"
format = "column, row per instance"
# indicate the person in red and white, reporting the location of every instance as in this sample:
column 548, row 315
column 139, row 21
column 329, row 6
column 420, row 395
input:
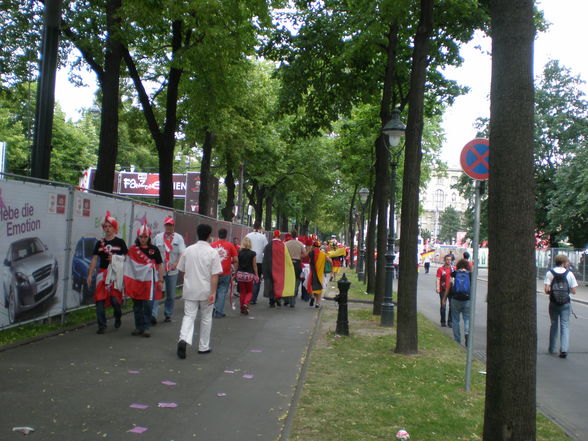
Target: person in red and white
column 171, row 246
column 228, row 255
column 107, row 293
column 143, row 279
column 201, row 266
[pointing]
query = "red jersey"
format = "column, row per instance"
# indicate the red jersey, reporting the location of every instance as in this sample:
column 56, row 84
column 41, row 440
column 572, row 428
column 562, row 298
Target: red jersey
column 226, row 251
column 444, row 281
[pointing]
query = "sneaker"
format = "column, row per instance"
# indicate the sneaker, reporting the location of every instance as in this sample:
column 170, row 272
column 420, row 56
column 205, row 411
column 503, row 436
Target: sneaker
column 146, row 334
column 167, row 320
column 443, row 325
column 563, row 355
column 137, row 332
column 153, row 321
column 181, row 349
column 208, row 351
column 117, row 323
column 100, row 331
column 318, row 305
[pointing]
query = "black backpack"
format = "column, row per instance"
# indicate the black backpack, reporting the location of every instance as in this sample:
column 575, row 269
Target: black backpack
column 560, row 288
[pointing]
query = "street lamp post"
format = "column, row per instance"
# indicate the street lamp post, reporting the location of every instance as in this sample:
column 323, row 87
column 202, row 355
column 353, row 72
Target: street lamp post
column 394, row 129
column 363, row 197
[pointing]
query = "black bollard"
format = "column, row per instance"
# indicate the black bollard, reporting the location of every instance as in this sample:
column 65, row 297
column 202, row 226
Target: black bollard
column 341, row 298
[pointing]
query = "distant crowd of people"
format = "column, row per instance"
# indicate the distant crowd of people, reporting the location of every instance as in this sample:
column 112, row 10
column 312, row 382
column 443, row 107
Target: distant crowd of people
column 212, row 270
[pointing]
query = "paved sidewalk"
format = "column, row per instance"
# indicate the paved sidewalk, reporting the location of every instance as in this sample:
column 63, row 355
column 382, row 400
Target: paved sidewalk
column 81, row 386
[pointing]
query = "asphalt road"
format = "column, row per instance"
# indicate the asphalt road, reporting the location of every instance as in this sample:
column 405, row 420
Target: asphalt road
column 561, row 384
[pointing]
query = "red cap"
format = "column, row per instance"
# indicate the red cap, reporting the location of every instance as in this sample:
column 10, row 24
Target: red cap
column 169, row 221
column 276, row 233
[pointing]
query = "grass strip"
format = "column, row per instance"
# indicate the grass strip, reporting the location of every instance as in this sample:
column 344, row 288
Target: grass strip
column 357, row 388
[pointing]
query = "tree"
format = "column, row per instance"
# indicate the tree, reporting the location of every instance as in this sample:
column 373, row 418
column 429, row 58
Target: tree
column 450, row 221
column 406, row 335
column 510, row 408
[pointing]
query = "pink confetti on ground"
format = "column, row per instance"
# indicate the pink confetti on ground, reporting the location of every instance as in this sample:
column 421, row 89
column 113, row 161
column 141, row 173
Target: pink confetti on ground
column 255, row 350
column 138, row 429
column 171, row 405
column 229, row 372
column 138, row 406
column 134, row 372
column 221, row 394
column 248, row 376
column 251, row 318
column 168, row 383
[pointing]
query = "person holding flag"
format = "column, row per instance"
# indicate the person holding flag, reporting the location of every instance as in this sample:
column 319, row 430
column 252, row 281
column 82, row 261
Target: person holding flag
column 109, row 253
column 143, row 279
column 426, row 257
column 278, row 271
column 171, row 246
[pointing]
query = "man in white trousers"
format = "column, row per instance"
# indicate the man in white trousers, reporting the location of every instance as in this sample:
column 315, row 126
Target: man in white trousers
column 201, row 266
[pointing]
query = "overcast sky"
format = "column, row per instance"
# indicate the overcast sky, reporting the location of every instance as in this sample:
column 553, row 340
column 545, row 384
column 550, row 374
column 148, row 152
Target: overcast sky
column 565, row 40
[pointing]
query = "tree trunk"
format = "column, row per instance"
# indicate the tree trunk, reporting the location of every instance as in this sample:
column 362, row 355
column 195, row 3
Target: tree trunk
column 284, row 224
column 407, row 330
column 351, row 227
column 229, row 211
column 259, row 199
column 510, row 412
column 304, row 228
column 268, row 211
column 381, row 198
column 370, row 240
column 205, row 175
column 108, row 144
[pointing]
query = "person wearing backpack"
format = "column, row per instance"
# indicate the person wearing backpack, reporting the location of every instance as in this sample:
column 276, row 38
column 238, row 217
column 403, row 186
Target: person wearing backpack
column 559, row 283
column 443, row 280
column 460, row 299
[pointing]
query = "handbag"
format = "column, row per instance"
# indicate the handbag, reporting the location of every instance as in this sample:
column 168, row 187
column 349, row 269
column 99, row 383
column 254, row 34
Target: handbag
column 243, row 276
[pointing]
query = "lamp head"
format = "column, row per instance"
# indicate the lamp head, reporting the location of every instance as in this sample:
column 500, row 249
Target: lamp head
column 363, row 195
column 394, row 128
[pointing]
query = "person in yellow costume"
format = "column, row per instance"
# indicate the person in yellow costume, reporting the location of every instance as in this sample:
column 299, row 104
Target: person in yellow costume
column 336, row 253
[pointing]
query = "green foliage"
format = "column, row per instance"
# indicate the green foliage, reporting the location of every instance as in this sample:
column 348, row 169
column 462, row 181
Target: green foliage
column 450, row 222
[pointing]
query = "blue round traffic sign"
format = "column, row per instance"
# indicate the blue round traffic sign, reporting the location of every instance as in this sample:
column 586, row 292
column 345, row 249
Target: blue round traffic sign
column 475, row 159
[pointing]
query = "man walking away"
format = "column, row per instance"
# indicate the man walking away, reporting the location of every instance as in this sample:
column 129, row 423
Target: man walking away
column 228, row 256
column 460, row 299
column 559, row 283
column 202, row 266
column 258, row 243
column 297, row 251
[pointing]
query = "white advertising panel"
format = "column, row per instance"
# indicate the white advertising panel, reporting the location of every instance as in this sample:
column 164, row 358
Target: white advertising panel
column 88, row 213
column 33, row 232
column 154, row 217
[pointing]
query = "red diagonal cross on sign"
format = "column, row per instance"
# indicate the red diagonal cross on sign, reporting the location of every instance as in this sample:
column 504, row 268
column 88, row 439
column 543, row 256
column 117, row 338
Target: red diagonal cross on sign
column 481, row 158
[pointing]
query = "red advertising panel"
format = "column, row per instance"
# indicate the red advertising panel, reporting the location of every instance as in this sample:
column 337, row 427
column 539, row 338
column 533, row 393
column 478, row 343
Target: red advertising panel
column 147, row 184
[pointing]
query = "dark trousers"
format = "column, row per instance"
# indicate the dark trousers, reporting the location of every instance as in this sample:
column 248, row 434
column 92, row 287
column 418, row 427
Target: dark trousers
column 257, row 285
column 427, row 267
column 142, row 312
column 101, row 311
column 443, row 310
column 297, row 272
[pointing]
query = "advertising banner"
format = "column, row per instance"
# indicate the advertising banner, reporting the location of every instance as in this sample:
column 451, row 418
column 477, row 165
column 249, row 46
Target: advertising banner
column 88, row 214
column 154, row 217
column 33, row 232
column 147, row 184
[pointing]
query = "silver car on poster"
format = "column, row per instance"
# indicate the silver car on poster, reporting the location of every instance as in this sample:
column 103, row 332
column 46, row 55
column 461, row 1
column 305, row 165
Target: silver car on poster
column 29, row 276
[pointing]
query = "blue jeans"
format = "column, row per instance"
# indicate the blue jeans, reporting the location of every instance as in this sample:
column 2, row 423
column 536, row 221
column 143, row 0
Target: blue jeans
column 460, row 307
column 101, row 312
column 142, row 312
column 224, row 282
column 559, row 313
column 170, row 296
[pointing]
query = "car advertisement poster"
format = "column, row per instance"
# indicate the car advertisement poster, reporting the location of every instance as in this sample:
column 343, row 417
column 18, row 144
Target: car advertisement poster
column 32, row 248
column 89, row 211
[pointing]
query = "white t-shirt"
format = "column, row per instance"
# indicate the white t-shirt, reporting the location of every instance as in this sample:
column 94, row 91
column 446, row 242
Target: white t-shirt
column 258, row 243
column 199, row 263
column 560, row 270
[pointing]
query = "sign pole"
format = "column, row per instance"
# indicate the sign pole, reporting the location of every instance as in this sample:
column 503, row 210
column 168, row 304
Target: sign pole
column 474, row 285
column 475, row 163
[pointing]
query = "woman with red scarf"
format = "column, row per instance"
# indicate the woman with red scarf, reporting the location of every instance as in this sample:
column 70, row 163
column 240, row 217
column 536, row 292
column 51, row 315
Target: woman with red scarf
column 143, row 279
